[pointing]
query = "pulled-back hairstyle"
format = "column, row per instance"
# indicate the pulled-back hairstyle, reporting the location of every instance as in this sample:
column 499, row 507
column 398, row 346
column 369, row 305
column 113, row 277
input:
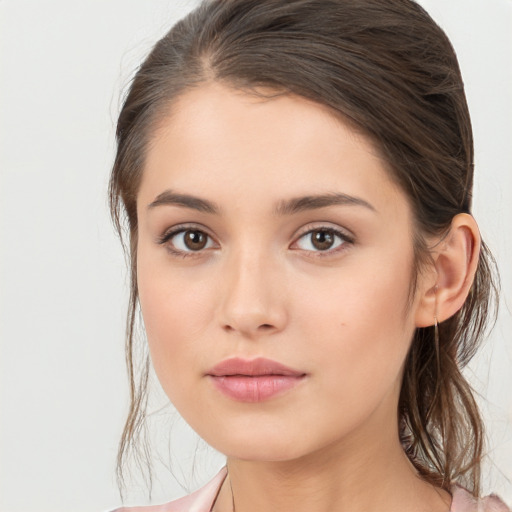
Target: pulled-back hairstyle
column 389, row 70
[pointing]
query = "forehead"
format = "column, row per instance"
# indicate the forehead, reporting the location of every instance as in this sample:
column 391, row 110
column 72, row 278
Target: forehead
column 223, row 142
column 212, row 108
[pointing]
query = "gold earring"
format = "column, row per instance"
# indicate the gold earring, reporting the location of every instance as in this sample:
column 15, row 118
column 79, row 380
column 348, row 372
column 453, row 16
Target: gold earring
column 436, row 324
column 436, row 332
column 436, row 335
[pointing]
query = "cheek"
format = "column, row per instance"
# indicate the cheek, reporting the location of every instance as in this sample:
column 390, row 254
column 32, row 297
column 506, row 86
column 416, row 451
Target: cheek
column 176, row 312
column 362, row 324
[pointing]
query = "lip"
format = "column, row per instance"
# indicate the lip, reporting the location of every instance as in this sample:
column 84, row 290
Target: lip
column 253, row 380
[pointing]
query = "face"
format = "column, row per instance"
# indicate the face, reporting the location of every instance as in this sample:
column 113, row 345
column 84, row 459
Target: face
column 274, row 267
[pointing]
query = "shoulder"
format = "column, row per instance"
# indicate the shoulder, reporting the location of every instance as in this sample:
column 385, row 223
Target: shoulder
column 199, row 501
column 463, row 501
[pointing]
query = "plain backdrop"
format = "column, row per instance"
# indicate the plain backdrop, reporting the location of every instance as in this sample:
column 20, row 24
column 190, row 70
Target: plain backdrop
column 63, row 391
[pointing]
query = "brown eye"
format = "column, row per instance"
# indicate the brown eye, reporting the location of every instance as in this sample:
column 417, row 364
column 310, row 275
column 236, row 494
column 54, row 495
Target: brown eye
column 195, row 240
column 187, row 240
column 321, row 240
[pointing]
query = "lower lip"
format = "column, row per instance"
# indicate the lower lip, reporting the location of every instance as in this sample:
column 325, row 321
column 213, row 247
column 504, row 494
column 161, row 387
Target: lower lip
column 255, row 389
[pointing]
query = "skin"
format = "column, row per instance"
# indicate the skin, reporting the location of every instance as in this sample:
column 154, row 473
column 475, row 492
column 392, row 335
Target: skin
column 260, row 288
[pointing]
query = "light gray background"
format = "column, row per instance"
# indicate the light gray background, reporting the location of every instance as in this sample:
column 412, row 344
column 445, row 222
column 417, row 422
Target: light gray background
column 63, row 393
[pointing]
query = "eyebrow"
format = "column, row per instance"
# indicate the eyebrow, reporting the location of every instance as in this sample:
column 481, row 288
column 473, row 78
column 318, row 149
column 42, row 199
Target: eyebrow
column 286, row 207
column 300, row 204
column 171, row 198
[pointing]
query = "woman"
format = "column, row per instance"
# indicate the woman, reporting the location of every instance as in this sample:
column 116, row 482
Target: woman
column 297, row 179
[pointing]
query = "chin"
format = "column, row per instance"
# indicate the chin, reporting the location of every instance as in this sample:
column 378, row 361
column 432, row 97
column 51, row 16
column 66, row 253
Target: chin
column 261, row 445
column 263, row 453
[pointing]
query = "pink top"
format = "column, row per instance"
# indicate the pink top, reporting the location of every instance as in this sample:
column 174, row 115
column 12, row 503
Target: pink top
column 203, row 499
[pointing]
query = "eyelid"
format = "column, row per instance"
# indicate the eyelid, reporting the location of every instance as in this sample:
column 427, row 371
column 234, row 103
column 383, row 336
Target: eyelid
column 173, row 230
column 169, row 233
column 346, row 235
column 328, row 226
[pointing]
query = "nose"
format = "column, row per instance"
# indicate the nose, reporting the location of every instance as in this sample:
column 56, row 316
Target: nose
column 253, row 296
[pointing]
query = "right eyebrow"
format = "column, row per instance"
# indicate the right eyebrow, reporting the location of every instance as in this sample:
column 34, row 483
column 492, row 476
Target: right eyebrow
column 168, row 197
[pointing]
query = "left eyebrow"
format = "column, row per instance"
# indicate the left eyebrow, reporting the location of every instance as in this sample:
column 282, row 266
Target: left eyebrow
column 169, row 197
column 300, row 204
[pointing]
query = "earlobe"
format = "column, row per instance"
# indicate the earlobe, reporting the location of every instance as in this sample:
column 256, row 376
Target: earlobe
column 455, row 261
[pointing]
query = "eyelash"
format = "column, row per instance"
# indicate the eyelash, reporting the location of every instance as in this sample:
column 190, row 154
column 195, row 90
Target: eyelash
column 344, row 237
column 168, row 235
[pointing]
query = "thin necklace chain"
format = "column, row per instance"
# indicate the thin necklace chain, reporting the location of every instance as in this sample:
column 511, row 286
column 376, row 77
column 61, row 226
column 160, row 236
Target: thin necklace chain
column 232, row 495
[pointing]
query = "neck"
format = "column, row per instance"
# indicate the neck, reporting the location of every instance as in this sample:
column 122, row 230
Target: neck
column 376, row 477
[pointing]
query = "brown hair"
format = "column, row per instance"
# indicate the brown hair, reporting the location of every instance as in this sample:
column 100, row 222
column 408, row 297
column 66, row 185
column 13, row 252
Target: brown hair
column 385, row 66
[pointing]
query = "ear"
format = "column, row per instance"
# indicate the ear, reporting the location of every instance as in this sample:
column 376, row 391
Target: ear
column 445, row 290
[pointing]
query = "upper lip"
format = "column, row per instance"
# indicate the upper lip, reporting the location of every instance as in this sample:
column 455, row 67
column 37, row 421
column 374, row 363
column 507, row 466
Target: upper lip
column 252, row 368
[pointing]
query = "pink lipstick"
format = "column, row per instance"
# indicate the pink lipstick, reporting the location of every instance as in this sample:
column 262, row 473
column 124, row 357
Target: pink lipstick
column 253, row 380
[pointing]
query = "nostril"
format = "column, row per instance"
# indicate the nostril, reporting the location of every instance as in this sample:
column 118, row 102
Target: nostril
column 261, row 329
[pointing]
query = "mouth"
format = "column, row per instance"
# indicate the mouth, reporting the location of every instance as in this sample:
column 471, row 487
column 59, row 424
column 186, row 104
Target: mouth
column 253, row 380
